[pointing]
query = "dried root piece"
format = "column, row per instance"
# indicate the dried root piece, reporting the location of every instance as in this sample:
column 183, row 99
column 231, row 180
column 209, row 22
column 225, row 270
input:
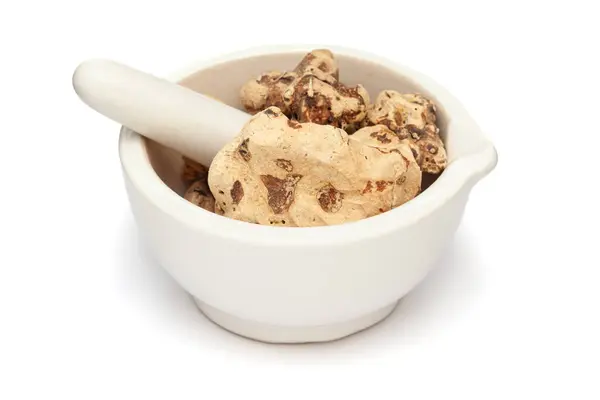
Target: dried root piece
column 386, row 141
column 195, row 177
column 199, row 194
column 412, row 117
column 266, row 91
column 310, row 93
column 282, row 172
column 320, row 63
column 312, row 100
column 193, row 171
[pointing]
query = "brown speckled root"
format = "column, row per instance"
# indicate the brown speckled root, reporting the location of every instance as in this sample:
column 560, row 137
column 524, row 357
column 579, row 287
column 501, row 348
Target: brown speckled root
column 195, row 177
column 320, row 63
column 266, row 91
column 192, row 171
column 312, row 100
column 199, row 194
column 412, row 117
column 310, row 93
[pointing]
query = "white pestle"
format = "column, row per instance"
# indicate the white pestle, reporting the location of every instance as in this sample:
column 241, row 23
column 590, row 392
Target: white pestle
column 195, row 125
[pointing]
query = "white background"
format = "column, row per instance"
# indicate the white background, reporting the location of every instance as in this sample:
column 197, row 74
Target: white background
column 513, row 311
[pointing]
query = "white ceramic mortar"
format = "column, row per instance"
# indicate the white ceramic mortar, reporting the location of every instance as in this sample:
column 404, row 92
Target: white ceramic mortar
column 289, row 285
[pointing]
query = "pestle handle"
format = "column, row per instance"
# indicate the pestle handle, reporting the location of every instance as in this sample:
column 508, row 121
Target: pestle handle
column 195, row 125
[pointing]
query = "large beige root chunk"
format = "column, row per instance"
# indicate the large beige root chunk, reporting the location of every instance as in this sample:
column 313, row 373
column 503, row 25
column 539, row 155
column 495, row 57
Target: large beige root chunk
column 281, row 172
column 412, row 117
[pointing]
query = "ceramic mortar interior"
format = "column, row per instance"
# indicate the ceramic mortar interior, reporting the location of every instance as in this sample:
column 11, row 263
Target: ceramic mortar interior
column 223, row 82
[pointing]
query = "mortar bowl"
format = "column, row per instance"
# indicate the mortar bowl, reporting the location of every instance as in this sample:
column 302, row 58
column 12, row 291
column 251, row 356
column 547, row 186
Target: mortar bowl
column 296, row 285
